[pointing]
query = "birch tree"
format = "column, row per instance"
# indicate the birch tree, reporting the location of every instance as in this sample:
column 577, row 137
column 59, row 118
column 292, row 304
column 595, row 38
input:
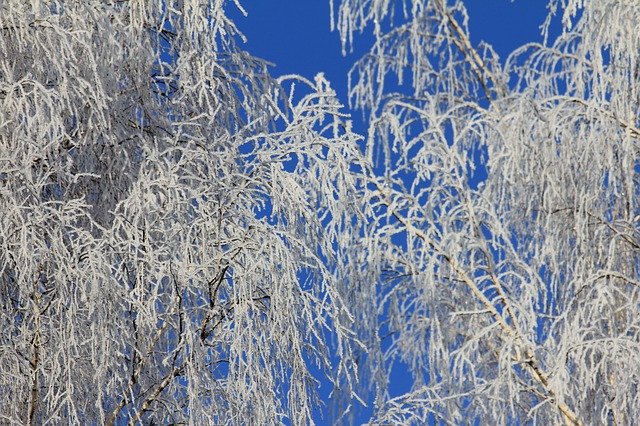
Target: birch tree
column 503, row 234
column 169, row 221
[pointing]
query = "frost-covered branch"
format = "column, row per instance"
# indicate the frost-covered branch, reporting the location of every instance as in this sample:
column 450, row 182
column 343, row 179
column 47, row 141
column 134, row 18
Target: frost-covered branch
column 170, row 213
column 502, row 213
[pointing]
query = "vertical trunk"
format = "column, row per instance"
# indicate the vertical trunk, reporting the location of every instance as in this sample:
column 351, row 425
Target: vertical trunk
column 34, row 362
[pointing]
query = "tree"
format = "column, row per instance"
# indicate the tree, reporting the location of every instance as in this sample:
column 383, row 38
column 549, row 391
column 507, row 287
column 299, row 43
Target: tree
column 169, row 220
column 186, row 239
column 503, row 231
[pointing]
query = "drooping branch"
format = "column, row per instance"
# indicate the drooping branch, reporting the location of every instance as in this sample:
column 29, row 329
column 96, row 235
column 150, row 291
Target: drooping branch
column 510, row 332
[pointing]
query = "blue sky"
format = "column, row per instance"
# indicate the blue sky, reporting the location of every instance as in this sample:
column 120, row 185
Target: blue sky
column 295, row 36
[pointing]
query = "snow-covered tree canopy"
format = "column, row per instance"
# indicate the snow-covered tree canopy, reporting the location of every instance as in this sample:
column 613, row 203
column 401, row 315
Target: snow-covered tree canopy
column 505, row 201
column 185, row 239
column 169, row 218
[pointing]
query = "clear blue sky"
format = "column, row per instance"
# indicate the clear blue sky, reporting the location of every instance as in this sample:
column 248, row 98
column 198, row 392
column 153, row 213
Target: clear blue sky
column 295, row 36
